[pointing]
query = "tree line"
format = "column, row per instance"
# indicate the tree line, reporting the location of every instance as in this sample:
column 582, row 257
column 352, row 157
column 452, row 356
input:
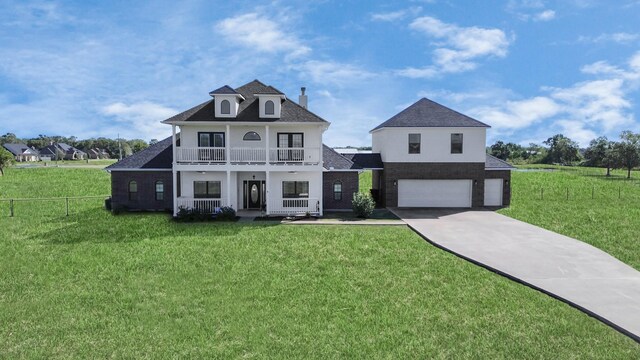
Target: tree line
column 623, row 153
column 112, row 146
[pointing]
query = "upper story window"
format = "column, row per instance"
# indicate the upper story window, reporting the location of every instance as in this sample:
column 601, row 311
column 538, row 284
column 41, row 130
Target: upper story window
column 269, row 107
column 210, row 139
column 225, row 107
column 251, row 136
column 456, row 143
column 414, row 143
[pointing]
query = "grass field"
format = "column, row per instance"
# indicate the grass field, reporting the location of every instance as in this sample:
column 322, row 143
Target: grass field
column 602, row 211
column 142, row 286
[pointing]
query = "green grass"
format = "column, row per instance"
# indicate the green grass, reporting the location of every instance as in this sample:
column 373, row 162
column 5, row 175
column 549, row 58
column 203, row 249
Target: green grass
column 365, row 181
column 602, row 211
column 142, row 286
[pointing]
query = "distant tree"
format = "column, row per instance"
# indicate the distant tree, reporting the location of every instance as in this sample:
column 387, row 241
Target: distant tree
column 9, row 138
column 500, row 150
column 6, row 159
column 600, row 154
column 137, row 145
column 626, row 152
column 562, row 150
column 153, row 141
column 126, row 149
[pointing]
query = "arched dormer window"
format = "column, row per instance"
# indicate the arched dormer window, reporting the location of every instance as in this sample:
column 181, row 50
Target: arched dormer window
column 133, row 190
column 225, row 107
column 251, row 136
column 269, row 108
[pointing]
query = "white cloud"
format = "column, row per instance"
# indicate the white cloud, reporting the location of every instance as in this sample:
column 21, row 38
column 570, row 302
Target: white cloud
column 140, row 118
column 261, row 34
column 396, row 15
column 576, row 130
column 332, row 72
column 517, row 114
column 545, row 15
column 619, row 38
column 458, row 49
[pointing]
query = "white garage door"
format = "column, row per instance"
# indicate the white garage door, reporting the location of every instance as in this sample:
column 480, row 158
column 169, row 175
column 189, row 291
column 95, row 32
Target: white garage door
column 434, row 193
column 493, row 192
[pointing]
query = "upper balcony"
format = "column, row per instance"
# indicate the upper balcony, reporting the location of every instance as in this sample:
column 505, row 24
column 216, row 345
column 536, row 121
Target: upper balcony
column 246, row 155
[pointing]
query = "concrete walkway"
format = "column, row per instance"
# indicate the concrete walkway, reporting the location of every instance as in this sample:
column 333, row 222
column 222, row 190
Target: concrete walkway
column 565, row 268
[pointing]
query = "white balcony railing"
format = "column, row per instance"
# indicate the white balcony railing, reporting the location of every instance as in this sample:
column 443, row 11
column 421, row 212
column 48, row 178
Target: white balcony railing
column 201, row 154
column 208, row 206
column 210, row 155
column 293, row 206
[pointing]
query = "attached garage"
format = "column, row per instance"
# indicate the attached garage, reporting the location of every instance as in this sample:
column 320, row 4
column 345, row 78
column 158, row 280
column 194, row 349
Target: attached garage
column 435, row 193
column 493, row 192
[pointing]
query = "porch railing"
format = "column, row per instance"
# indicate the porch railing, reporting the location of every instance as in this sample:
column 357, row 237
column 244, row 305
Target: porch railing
column 293, row 206
column 205, row 205
column 294, row 155
column 209, row 155
column 251, row 155
column 201, row 154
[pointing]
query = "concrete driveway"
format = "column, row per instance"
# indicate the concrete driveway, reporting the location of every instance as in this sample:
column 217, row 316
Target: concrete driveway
column 566, row 268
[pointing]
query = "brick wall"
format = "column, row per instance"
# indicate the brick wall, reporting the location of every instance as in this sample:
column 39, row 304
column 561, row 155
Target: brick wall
column 506, row 185
column 350, row 185
column 146, row 197
column 431, row 171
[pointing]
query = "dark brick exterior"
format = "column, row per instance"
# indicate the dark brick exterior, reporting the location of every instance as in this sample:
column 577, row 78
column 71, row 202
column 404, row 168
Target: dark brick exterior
column 350, row 185
column 146, row 197
column 431, row 171
column 505, row 175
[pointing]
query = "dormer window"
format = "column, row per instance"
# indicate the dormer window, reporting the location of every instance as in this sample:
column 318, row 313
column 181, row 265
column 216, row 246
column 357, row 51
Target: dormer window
column 269, row 108
column 225, row 107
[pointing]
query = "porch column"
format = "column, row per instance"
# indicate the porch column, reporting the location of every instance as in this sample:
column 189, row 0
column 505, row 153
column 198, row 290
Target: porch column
column 174, row 182
column 266, row 192
column 266, row 146
column 228, row 185
column 227, row 140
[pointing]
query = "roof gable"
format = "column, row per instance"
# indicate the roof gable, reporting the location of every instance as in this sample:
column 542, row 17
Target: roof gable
column 493, row 162
column 428, row 113
column 156, row 156
column 332, row 160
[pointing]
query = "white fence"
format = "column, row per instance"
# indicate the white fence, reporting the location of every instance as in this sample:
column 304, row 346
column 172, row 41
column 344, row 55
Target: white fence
column 204, row 205
column 201, row 154
column 248, row 155
column 293, row 206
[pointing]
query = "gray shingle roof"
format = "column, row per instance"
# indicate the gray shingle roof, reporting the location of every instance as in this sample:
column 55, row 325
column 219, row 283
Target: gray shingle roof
column 269, row 90
column 156, row 156
column 493, row 162
column 248, row 109
column 366, row 161
column 332, row 160
column 19, row 149
column 225, row 90
column 427, row 113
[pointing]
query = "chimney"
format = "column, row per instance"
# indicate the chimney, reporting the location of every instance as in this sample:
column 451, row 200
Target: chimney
column 302, row 99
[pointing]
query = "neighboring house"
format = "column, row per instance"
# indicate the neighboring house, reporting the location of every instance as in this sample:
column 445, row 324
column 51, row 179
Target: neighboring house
column 248, row 148
column 433, row 156
column 58, row 149
column 22, row 152
column 97, row 153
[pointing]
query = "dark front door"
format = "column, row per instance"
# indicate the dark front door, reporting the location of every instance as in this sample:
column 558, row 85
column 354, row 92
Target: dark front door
column 254, row 193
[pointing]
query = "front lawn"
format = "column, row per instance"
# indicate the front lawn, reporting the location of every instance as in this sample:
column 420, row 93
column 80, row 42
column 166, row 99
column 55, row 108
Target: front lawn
column 581, row 203
column 142, row 286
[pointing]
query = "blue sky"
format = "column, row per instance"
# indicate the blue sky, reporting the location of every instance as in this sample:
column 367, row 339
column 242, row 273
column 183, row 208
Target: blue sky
column 529, row 68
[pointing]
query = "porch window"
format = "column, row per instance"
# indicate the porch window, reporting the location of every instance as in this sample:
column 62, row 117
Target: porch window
column 159, row 190
column 295, row 189
column 337, row 191
column 207, row 190
column 456, row 143
column 133, row 190
column 414, row 143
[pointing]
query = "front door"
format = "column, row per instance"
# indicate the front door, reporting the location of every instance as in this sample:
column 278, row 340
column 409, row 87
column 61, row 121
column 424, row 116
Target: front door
column 253, row 194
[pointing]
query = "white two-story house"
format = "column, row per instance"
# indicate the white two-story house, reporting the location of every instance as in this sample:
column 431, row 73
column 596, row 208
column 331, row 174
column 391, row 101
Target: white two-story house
column 250, row 148
column 433, row 156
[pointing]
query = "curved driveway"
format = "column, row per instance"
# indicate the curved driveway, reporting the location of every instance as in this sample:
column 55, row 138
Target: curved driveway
column 565, row 268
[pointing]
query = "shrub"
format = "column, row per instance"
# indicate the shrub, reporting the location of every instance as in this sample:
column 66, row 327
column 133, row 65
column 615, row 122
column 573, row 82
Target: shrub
column 189, row 215
column 363, row 205
column 226, row 213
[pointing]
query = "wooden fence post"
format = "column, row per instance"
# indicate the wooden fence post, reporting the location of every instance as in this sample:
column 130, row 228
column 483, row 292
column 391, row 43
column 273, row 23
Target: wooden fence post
column 541, row 193
column 567, row 193
column 11, row 207
column 593, row 190
column 67, row 201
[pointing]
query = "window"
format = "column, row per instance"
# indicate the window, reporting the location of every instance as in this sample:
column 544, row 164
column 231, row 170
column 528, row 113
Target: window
column 456, row 143
column 207, row 189
column 290, row 140
column 295, row 189
column 337, row 191
column 269, row 108
column 251, row 136
column 133, row 190
column 414, row 143
column 159, row 190
column 210, row 139
column 225, row 107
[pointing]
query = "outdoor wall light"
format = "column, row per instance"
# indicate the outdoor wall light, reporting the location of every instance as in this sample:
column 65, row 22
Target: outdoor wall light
column 254, row 177
column 395, row 182
column 203, row 172
column 475, row 182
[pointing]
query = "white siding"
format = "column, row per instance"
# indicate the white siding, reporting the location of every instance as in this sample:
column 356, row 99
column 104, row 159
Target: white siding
column 435, row 144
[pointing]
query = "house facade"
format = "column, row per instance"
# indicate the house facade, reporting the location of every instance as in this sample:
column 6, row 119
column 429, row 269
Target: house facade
column 22, row 152
column 62, row 151
column 433, row 156
column 249, row 148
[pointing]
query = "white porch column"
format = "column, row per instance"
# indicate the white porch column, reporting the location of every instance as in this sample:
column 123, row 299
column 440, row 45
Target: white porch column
column 229, row 188
column 174, row 171
column 266, row 141
column 266, row 192
column 227, row 140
